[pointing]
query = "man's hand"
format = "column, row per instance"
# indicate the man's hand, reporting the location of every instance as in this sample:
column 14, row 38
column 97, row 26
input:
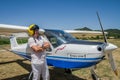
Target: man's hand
column 37, row 48
column 46, row 45
column 41, row 48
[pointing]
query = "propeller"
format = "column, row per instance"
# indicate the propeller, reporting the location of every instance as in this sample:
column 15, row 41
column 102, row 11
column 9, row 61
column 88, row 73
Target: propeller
column 109, row 48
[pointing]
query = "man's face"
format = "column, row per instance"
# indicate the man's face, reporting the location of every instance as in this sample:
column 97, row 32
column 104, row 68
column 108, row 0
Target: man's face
column 36, row 33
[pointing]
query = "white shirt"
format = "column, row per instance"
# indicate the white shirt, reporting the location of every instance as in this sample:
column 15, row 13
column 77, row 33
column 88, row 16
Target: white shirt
column 37, row 57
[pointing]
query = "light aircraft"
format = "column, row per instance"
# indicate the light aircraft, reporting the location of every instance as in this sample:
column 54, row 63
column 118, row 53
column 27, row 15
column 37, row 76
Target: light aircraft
column 65, row 51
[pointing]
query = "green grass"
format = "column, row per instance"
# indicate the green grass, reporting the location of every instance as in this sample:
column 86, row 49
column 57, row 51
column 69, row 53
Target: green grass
column 115, row 41
column 4, row 41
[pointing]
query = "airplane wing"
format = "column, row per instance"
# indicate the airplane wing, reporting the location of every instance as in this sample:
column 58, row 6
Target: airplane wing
column 12, row 28
column 8, row 29
column 83, row 32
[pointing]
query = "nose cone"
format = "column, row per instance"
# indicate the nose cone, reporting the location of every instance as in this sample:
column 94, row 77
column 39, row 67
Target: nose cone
column 110, row 47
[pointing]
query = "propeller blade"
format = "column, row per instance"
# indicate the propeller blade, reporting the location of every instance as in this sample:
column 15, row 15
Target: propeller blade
column 112, row 63
column 105, row 39
column 109, row 47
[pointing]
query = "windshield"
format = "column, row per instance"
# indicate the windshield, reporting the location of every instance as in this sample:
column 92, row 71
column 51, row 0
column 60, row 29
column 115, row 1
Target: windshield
column 65, row 36
column 54, row 39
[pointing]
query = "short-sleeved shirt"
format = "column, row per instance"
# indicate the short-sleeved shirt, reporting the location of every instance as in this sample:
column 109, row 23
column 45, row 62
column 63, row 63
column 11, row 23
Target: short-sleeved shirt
column 37, row 57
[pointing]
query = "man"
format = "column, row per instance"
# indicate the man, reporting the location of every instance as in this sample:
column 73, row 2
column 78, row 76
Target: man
column 38, row 45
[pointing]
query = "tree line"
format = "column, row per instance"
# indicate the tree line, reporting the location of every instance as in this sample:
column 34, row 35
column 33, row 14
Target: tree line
column 5, row 40
column 112, row 33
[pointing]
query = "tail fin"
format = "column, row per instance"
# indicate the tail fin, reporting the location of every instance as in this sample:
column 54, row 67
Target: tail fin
column 13, row 42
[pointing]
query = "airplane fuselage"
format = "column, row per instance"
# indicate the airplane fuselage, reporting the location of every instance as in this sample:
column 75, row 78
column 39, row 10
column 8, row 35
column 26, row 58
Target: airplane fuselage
column 75, row 56
column 68, row 52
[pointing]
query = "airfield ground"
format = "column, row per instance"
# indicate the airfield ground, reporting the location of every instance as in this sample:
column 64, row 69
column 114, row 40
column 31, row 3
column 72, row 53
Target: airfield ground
column 13, row 67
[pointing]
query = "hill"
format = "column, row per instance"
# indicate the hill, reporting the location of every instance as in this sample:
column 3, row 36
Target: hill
column 112, row 33
column 84, row 28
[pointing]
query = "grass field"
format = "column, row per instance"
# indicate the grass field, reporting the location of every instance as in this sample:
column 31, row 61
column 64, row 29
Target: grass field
column 13, row 67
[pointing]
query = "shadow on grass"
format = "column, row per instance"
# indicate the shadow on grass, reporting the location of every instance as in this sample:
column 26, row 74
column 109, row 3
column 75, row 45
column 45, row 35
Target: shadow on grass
column 55, row 73
column 59, row 74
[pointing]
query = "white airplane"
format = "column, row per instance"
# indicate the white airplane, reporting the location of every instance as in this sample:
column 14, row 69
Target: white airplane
column 65, row 51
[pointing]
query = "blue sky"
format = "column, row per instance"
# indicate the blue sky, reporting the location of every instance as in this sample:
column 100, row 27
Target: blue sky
column 61, row 14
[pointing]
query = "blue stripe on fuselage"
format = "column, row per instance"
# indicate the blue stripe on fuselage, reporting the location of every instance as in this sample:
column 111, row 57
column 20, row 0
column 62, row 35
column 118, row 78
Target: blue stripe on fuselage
column 64, row 62
column 73, row 58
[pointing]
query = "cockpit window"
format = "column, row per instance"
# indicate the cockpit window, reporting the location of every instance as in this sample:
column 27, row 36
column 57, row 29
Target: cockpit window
column 58, row 37
column 54, row 39
column 63, row 35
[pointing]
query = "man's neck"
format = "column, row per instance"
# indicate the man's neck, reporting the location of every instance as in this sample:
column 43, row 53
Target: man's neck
column 36, row 37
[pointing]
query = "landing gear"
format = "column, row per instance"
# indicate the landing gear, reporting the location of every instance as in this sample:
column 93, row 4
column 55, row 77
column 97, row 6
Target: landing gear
column 30, row 75
column 68, row 71
column 94, row 75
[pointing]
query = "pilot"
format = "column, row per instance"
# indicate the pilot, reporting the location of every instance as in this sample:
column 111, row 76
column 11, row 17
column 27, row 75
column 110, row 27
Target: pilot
column 38, row 45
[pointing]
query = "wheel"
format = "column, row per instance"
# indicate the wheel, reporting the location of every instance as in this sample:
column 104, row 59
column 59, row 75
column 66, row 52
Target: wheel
column 68, row 71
